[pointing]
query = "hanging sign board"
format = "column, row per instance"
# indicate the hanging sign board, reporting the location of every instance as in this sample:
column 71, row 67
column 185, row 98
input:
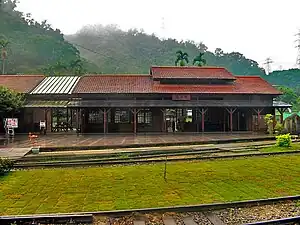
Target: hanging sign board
column 42, row 124
column 11, row 122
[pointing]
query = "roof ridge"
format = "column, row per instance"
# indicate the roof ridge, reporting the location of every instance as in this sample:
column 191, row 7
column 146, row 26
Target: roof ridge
column 63, row 76
column 194, row 67
column 248, row 76
column 22, row 75
column 125, row 74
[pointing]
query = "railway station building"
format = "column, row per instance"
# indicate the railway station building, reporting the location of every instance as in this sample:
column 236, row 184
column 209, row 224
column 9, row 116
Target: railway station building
column 168, row 99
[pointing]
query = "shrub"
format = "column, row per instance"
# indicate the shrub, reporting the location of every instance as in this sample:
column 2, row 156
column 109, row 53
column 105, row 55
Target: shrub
column 279, row 128
column 269, row 122
column 284, row 140
column 5, row 165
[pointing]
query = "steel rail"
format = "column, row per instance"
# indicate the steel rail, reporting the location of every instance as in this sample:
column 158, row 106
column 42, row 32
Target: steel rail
column 100, row 162
column 289, row 220
column 86, row 217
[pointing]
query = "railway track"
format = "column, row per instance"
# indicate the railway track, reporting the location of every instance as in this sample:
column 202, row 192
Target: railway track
column 285, row 210
column 144, row 159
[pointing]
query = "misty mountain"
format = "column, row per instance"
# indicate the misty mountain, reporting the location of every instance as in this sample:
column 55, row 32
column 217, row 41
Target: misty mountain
column 116, row 51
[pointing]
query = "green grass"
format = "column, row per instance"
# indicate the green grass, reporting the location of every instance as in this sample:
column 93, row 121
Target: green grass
column 294, row 147
column 125, row 187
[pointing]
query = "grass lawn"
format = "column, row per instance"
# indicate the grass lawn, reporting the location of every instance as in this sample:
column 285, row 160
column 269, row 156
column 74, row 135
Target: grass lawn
column 124, row 187
column 294, row 146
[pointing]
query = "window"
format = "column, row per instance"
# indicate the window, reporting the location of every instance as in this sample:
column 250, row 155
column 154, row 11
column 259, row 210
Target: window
column 95, row 117
column 140, row 117
column 122, row 116
column 148, row 117
column 144, row 117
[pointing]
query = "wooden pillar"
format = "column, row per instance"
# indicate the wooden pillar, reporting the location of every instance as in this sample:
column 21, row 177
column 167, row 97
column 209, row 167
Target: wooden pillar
column 135, row 112
column 105, row 111
column 77, row 119
column 164, row 126
column 238, row 121
column 198, row 124
column 71, row 122
column 231, row 111
column 258, row 112
column 46, row 120
column 45, row 115
column 224, row 120
column 274, row 118
column 67, row 120
column 104, row 120
column 134, row 121
column 203, row 111
column 82, row 119
column 51, row 120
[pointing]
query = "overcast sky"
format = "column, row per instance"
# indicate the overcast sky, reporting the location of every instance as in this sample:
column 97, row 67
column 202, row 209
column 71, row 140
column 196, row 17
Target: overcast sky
column 256, row 28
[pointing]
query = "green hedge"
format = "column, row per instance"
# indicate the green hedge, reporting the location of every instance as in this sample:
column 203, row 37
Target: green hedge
column 284, row 140
column 5, row 165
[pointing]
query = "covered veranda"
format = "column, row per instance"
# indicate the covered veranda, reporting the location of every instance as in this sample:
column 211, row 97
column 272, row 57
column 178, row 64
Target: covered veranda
column 147, row 116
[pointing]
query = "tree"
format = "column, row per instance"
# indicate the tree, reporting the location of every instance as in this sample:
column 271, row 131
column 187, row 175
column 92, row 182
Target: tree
column 199, row 60
column 202, row 47
column 3, row 44
column 76, row 67
column 288, row 95
column 182, row 58
column 219, row 52
column 10, row 102
column 60, row 68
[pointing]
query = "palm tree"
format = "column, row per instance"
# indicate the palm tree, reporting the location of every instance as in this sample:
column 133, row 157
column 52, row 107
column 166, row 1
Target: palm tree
column 182, row 58
column 199, row 60
column 3, row 46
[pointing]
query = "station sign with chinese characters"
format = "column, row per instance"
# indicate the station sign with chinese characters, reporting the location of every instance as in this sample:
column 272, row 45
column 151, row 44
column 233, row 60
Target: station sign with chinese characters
column 11, row 122
column 181, row 97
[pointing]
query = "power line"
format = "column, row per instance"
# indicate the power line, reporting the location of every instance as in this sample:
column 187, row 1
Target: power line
column 298, row 48
column 268, row 63
column 98, row 53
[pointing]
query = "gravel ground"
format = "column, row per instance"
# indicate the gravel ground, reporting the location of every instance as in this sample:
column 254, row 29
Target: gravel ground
column 199, row 218
column 235, row 216
column 154, row 219
column 231, row 216
column 126, row 220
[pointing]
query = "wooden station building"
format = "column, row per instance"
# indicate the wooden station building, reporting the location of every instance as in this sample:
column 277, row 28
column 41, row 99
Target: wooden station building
column 168, row 99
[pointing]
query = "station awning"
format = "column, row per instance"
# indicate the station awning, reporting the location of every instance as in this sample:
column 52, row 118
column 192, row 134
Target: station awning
column 280, row 104
column 46, row 104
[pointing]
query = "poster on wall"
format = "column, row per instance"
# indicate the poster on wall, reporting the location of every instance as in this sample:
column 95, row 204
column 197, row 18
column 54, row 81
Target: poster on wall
column 11, row 122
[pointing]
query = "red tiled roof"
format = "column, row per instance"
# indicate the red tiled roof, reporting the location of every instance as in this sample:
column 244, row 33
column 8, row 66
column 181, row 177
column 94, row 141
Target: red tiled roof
column 242, row 85
column 144, row 84
column 114, row 84
column 21, row 83
column 160, row 72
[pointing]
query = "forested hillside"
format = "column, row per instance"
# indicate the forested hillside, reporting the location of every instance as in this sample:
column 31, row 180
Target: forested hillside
column 117, row 51
column 28, row 46
column 289, row 78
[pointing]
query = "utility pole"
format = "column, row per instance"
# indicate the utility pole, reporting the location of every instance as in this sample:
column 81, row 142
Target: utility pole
column 298, row 48
column 268, row 63
column 163, row 27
